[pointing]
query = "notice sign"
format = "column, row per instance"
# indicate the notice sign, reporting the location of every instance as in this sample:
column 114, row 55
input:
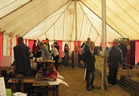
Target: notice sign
column 2, row 87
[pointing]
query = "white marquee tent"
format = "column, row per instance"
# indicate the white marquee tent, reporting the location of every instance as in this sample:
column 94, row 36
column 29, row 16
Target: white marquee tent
column 55, row 19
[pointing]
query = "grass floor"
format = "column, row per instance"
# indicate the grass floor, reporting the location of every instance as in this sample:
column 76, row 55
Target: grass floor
column 74, row 78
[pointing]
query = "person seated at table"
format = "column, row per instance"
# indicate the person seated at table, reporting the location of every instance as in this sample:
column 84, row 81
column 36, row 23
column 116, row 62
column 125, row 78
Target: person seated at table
column 55, row 53
column 44, row 52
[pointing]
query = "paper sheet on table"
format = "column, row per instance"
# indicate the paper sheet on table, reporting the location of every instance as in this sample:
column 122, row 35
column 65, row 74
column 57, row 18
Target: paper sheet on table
column 19, row 94
column 57, row 82
column 63, row 82
column 59, row 76
column 2, row 87
column 53, row 82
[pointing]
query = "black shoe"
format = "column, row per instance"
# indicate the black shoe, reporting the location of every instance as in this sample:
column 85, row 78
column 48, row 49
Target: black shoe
column 88, row 88
column 92, row 86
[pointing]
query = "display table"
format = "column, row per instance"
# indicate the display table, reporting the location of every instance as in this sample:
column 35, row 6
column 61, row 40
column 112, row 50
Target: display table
column 42, row 85
column 12, row 83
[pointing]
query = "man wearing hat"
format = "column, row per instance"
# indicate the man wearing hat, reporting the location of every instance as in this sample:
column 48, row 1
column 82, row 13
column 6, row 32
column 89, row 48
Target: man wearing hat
column 114, row 59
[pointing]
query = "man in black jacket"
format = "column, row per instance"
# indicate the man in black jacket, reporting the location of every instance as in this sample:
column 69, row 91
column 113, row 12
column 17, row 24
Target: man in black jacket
column 89, row 60
column 22, row 63
column 22, row 58
column 115, row 58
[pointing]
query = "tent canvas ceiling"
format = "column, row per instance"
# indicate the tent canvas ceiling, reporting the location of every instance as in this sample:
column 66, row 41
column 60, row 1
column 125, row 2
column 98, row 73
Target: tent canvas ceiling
column 55, row 19
column 7, row 6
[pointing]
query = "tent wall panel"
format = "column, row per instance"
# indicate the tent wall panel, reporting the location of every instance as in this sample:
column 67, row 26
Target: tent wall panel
column 9, row 46
column 25, row 41
column 137, row 51
column 6, row 45
column 31, row 42
column 60, row 47
column 13, row 45
column 51, row 42
column 78, row 43
column 16, row 40
column 128, row 53
column 43, row 41
column 69, row 44
column 0, row 43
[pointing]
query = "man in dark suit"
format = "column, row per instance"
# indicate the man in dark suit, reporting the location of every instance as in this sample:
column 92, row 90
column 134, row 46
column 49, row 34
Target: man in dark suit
column 22, row 63
column 89, row 59
column 22, row 58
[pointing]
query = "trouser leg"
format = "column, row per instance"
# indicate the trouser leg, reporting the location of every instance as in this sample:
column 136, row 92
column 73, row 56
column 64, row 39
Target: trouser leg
column 93, row 77
column 66, row 60
column 56, row 62
column 115, row 76
column 87, row 78
column 110, row 77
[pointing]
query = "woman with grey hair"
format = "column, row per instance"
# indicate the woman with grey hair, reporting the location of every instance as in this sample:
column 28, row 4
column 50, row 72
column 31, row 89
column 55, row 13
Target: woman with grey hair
column 44, row 52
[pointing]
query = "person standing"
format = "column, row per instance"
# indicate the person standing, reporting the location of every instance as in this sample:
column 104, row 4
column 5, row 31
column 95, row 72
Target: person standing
column 86, row 45
column 55, row 53
column 66, row 56
column 44, row 52
column 89, row 60
column 114, row 59
column 56, row 45
column 79, row 55
column 34, row 48
column 124, row 50
column 22, row 57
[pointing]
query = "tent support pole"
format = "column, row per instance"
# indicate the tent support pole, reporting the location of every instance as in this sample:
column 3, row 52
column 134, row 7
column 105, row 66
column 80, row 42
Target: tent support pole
column 104, row 87
column 76, row 52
